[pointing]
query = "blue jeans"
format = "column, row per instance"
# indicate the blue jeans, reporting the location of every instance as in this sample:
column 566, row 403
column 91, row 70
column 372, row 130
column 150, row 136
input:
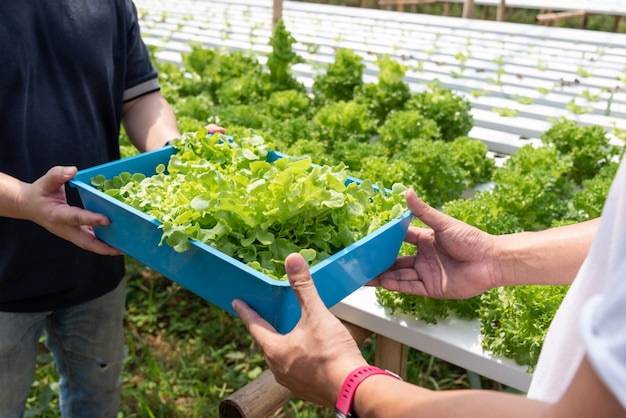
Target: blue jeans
column 87, row 342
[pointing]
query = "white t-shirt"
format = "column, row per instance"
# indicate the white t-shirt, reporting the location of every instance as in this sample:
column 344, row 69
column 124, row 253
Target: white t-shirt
column 599, row 328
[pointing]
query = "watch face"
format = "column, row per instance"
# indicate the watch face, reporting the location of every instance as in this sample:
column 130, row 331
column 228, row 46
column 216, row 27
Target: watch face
column 339, row 414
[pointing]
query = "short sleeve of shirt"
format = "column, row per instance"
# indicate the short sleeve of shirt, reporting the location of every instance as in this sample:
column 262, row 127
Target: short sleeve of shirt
column 141, row 76
column 603, row 317
column 590, row 321
column 602, row 330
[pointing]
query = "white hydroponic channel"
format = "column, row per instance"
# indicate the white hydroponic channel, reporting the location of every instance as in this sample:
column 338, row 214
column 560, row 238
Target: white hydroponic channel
column 535, row 73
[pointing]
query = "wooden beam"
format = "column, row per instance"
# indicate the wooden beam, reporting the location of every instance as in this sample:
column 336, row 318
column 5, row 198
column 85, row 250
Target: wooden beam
column 561, row 15
column 555, row 17
column 258, row 399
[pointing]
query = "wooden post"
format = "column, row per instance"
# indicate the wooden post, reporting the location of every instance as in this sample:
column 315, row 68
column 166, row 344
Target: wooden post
column 616, row 23
column 277, row 12
column 468, row 9
column 391, row 355
column 501, row 12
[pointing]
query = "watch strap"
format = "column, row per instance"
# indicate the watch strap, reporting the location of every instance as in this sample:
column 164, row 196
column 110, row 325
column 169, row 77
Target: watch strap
column 343, row 406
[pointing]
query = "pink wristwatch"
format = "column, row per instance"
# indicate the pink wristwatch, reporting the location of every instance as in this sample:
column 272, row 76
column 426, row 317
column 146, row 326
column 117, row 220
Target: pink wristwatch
column 348, row 389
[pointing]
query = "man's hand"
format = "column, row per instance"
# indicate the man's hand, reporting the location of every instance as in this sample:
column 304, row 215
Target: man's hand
column 315, row 357
column 453, row 260
column 45, row 203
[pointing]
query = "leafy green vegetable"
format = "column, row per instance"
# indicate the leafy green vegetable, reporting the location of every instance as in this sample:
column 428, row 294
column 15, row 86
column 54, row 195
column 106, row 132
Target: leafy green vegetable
column 588, row 202
column 225, row 193
column 427, row 309
column 287, row 104
column 589, row 147
column 289, row 134
column 470, row 156
column 200, row 107
column 313, row 149
column 514, row 320
column 402, row 126
column 282, row 58
column 389, row 93
column 534, row 187
column 208, row 70
column 484, row 212
column 341, row 78
column 441, row 170
column 248, row 88
column 374, row 166
column 450, row 110
column 341, row 121
column 250, row 115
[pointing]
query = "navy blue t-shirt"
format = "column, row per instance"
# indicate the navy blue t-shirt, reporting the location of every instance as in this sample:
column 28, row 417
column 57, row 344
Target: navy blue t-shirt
column 66, row 68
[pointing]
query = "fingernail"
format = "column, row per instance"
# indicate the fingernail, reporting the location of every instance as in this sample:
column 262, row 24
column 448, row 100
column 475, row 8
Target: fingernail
column 295, row 264
column 69, row 172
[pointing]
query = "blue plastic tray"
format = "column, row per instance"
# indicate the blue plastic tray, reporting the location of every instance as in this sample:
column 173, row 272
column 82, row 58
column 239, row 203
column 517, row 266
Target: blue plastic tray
column 219, row 278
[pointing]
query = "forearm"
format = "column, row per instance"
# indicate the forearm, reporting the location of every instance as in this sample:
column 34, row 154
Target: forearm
column 149, row 122
column 11, row 190
column 551, row 257
column 383, row 396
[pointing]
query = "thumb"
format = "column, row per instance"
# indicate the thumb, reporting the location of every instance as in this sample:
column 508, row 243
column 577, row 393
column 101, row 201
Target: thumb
column 426, row 213
column 56, row 177
column 302, row 283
